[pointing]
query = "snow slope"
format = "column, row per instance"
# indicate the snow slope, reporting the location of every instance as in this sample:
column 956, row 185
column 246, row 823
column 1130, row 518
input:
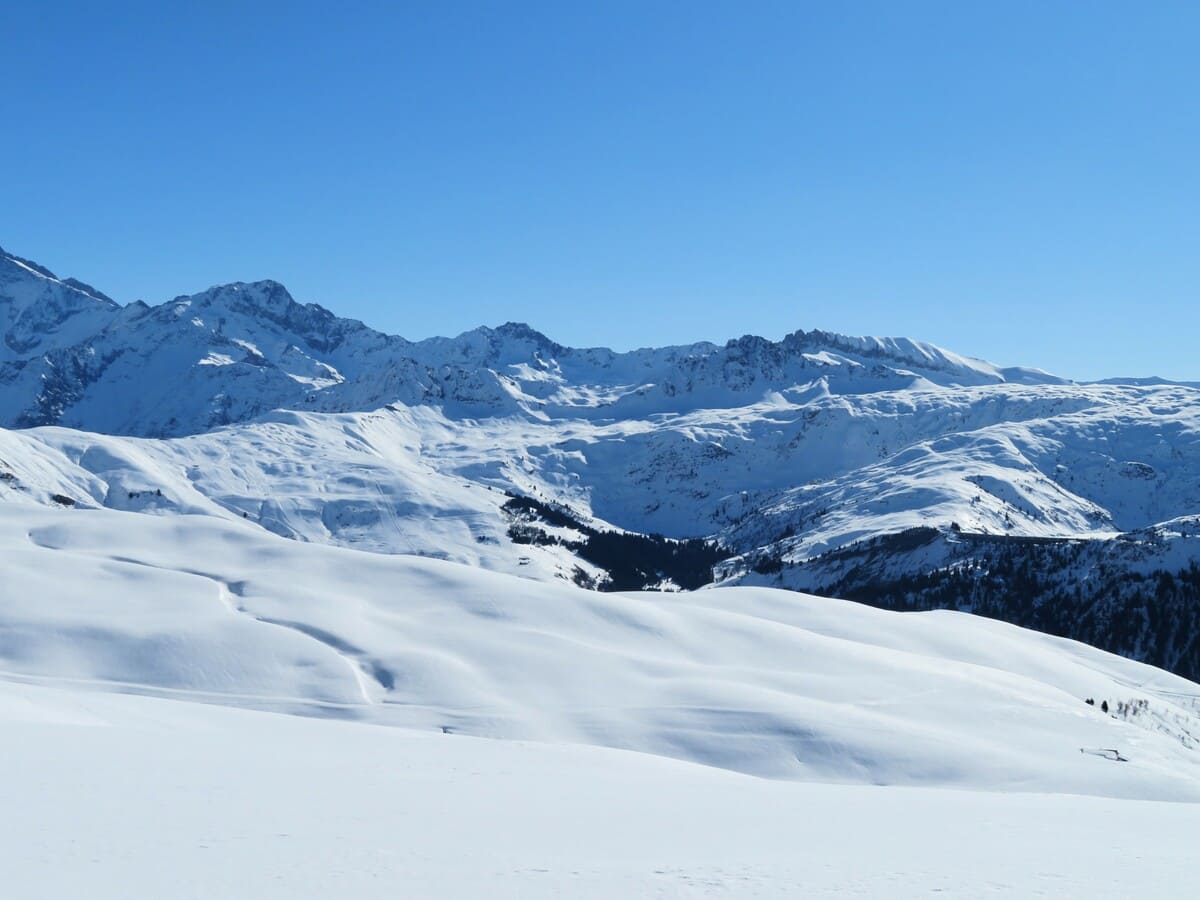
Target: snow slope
column 760, row 681
column 368, row 481
column 115, row 797
column 1050, row 462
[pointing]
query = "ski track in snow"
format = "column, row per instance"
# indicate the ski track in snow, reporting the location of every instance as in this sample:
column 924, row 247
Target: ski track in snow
column 355, row 658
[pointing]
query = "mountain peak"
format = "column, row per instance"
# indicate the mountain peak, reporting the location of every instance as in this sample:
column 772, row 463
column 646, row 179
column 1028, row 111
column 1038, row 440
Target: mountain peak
column 27, row 264
column 39, row 312
column 18, row 268
column 522, row 332
column 266, row 292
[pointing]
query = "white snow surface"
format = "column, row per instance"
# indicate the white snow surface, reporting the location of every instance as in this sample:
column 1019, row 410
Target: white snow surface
column 116, row 797
column 460, row 733
column 756, row 680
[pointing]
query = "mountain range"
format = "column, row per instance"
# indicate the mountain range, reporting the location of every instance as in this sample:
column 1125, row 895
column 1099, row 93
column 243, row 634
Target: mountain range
column 885, row 470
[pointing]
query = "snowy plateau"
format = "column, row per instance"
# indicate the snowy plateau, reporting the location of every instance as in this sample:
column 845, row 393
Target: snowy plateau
column 290, row 607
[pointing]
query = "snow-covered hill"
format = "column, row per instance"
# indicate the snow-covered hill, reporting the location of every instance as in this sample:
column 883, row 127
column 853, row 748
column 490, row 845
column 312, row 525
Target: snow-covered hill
column 767, row 682
column 503, row 449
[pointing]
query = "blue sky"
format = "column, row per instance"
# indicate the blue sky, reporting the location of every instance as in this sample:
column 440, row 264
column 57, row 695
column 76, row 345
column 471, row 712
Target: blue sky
column 1016, row 181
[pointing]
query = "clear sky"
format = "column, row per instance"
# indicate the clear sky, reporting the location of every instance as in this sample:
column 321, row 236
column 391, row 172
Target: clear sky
column 1015, row 181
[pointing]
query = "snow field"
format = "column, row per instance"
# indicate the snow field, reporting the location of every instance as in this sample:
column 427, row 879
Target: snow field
column 761, row 681
column 117, row 796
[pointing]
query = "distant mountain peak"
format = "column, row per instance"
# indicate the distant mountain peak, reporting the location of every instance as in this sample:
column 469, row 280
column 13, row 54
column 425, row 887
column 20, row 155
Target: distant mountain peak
column 27, row 264
column 267, row 292
column 521, row 330
column 20, row 267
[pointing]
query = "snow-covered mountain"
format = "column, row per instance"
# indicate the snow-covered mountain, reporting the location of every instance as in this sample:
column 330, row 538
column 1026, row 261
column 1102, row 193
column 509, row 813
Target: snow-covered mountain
column 231, row 506
column 503, row 449
column 231, row 353
column 40, row 313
